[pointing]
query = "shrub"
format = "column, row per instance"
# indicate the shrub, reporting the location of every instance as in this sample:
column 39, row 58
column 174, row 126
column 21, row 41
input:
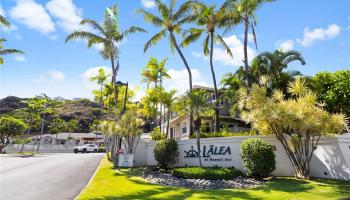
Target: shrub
column 166, row 153
column 258, row 157
column 211, row 173
column 102, row 149
column 157, row 135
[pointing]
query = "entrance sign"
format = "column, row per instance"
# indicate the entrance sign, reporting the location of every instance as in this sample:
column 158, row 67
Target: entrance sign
column 211, row 153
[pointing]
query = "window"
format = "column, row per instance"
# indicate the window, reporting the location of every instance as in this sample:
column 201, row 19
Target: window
column 184, row 127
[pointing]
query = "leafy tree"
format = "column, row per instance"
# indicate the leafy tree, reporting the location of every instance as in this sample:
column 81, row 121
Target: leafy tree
column 333, row 89
column 209, row 20
column 72, row 126
column 170, row 21
column 298, row 122
column 111, row 137
column 101, row 79
column 10, row 127
column 107, row 34
column 230, row 85
column 4, row 51
column 56, row 126
column 245, row 11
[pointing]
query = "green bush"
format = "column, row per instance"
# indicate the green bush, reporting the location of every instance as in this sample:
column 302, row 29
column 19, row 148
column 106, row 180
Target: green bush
column 101, row 149
column 210, row 173
column 166, row 153
column 258, row 157
column 157, row 135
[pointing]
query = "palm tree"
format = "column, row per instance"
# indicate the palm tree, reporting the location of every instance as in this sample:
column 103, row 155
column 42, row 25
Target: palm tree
column 273, row 64
column 101, row 79
column 4, row 51
column 198, row 101
column 210, row 19
column 170, row 21
column 4, row 22
column 168, row 99
column 108, row 34
column 245, row 10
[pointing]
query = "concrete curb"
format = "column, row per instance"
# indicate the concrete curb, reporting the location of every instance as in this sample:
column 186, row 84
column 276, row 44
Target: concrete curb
column 92, row 177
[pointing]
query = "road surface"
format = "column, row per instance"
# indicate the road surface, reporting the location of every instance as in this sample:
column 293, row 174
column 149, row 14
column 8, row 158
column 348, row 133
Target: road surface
column 46, row 176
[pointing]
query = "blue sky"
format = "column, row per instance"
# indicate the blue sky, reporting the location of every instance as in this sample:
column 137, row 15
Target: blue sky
column 320, row 31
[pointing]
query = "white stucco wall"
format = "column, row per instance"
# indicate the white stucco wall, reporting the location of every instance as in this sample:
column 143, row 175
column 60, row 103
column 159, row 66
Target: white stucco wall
column 331, row 159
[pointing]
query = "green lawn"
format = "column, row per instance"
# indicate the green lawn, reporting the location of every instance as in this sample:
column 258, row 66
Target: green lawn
column 110, row 184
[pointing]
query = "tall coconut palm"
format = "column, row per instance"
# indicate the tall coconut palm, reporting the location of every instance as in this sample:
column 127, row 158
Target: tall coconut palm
column 4, row 22
column 210, row 19
column 170, row 22
column 4, row 51
column 108, row 35
column 246, row 9
column 101, row 79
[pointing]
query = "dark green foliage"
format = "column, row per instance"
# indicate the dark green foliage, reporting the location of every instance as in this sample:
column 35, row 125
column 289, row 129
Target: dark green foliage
column 210, row 173
column 225, row 134
column 102, row 149
column 258, row 157
column 157, row 135
column 166, row 153
column 333, row 89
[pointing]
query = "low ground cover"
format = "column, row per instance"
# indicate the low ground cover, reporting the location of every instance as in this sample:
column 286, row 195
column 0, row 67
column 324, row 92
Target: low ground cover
column 111, row 184
column 211, row 173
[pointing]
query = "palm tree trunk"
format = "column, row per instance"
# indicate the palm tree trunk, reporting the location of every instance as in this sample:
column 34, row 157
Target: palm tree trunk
column 217, row 114
column 173, row 39
column 101, row 98
column 197, row 125
column 246, row 66
column 41, row 131
column 168, row 124
column 114, row 80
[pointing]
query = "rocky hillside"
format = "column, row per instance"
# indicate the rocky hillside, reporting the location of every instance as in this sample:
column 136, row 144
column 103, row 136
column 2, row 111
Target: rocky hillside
column 84, row 110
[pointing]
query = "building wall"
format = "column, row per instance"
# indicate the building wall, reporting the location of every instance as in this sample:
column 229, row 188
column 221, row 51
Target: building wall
column 331, row 159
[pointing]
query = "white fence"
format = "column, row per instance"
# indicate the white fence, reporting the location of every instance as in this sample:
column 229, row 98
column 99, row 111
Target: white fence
column 331, row 159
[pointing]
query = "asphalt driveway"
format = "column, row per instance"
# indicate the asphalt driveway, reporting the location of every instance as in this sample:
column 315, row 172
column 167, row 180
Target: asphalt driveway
column 46, row 176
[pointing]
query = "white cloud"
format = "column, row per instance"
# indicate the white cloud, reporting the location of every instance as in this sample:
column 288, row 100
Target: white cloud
column 33, row 15
column 310, row 36
column 180, row 81
column 148, row 3
column 12, row 28
column 285, row 45
column 93, row 71
column 67, row 14
column 19, row 58
column 51, row 76
column 250, row 37
column 236, row 47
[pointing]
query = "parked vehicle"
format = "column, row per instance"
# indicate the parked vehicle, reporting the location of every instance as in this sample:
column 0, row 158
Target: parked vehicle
column 86, row 148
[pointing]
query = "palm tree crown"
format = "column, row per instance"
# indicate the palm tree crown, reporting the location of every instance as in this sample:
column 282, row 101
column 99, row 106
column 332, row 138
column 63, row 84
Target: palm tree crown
column 4, row 51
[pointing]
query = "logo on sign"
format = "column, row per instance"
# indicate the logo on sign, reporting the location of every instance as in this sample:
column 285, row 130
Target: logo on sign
column 208, row 151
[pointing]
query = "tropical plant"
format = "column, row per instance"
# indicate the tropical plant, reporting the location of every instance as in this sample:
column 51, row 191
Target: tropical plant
column 209, row 20
column 168, row 100
column 298, row 122
column 71, row 126
column 230, row 85
column 10, row 127
column 156, row 134
column 4, row 22
column 101, row 79
column 333, row 89
column 4, row 51
column 56, row 126
column 245, row 11
column 170, row 21
column 166, row 153
column 108, row 35
column 273, row 66
column 258, row 157
column 46, row 103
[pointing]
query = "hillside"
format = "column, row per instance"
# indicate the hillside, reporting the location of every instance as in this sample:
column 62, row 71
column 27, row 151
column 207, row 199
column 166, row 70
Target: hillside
column 85, row 111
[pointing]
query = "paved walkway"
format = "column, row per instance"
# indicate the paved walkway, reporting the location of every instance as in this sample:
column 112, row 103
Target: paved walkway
column 46, row 176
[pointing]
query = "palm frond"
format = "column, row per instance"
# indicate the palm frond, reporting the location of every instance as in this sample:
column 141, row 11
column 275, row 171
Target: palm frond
column 193, row 36
column 149, row 17
column 254, row 36
column 163, row 9
column 291, row 56
column 4, row 22
column 10, row 51
column 223, row 43
column 84, row 35
column 206, row 45
column 134, row 29
column 93, row 24
column 154, row 40
column 184, row 9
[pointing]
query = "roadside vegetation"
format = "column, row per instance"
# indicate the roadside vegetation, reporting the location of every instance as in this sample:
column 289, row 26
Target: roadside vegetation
column 114, row 184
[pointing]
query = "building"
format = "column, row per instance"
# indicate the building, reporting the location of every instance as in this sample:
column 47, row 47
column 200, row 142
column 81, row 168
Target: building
column 69, row 138
column 179, row 125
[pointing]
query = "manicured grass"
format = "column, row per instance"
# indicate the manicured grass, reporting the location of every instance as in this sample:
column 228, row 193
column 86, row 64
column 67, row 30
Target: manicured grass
column 111, row 184
column 213, row 173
